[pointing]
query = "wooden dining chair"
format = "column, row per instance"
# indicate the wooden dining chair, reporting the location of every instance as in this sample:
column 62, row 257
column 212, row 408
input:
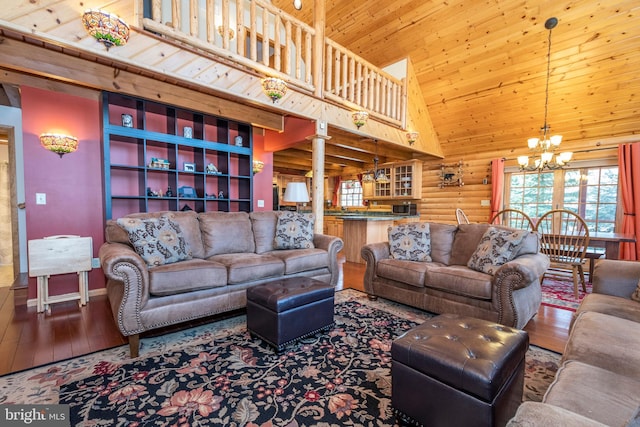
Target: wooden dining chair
column 564, row 238
column 513, row 218
column 461, row 217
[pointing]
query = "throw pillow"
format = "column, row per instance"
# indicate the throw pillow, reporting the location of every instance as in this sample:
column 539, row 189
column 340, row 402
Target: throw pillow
column 157, row 240
column 410, row 242
column 636, row 294
column 294, row 231
column 497, row 247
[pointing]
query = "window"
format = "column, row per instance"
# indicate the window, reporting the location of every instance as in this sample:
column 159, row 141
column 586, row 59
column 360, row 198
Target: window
column 350, row 193
column 592, row 192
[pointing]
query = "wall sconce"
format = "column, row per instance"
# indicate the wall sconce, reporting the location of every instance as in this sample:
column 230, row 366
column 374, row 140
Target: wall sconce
column 59, row 144
column 360, row 118
column 258, row 166
column 412, row 137
column 106, row 27
column 274, row 88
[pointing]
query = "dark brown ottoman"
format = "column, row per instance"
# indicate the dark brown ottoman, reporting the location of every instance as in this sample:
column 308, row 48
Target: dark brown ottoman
column 285, row 310
column 458, row 371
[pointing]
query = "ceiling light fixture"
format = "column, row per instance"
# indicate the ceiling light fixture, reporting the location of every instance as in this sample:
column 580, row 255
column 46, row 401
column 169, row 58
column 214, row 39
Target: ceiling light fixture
column 274, row 88
column 297, row 4
column 59, row 144
column 106, row 27
column 360, row 118
column 375, row 174
column 547, row 144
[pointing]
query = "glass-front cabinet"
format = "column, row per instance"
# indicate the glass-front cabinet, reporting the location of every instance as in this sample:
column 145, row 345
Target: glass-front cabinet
column 404, row 181
column 159, row 157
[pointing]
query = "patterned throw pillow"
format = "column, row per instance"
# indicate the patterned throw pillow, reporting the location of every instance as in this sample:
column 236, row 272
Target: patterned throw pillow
column 410, row 242
column 294, row 231
column 157, row 240
column 636, row 294
column 497, row 246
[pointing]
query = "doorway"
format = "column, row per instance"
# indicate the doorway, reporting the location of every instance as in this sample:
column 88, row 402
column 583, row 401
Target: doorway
column 13, row 248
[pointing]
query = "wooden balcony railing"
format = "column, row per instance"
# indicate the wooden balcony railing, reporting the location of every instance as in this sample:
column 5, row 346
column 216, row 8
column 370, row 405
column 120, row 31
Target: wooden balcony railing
column 257, row 35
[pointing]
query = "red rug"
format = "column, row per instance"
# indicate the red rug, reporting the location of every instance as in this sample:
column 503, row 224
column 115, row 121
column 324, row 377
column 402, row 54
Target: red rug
column 557, row 291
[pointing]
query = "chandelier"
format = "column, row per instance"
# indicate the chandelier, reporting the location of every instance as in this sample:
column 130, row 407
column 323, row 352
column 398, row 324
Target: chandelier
column 545, row 146
column 375, row 174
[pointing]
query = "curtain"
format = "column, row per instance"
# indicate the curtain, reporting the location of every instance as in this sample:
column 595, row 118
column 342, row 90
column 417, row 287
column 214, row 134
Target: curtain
column 336, row 190
column 497, row 186
column 629, row 171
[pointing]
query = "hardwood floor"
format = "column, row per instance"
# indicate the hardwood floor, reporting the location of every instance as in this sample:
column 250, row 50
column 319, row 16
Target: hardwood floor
column 29, row 339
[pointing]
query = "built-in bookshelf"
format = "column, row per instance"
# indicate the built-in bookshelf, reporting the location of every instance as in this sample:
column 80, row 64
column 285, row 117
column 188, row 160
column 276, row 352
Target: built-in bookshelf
column 159, row 157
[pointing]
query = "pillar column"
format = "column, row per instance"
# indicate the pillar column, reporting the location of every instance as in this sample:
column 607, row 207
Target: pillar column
column 317, row 188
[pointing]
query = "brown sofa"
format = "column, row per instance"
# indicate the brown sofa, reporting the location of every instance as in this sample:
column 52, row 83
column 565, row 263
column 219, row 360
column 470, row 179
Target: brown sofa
column 511, row 296
column 230, row 253
column 598, row 382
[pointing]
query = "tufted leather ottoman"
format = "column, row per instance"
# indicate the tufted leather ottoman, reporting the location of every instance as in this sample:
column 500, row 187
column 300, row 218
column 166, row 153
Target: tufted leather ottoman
column 285, row 310
column 458, row 371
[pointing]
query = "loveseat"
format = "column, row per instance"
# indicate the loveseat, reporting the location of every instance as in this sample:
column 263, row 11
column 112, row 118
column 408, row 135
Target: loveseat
column 598, row 382
column 509, row 293
column 197, row 265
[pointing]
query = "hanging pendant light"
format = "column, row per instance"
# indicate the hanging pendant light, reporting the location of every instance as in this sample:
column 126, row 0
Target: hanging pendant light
column 546, row 145
column 375, row 174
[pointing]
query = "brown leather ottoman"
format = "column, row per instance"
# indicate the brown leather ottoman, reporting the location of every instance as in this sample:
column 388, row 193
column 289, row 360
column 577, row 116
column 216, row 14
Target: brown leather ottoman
column 285, row 310
column 458, row 371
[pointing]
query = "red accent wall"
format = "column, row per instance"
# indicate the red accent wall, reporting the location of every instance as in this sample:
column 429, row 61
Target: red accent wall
column 72, row 184
column 263, row 181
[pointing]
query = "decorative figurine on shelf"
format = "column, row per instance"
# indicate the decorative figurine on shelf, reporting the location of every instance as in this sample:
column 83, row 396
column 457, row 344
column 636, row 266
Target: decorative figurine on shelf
column 187, row 132
column 210, row 196
column 221, row 195
column 211, row 168
column 127, row 120
column 150, row 193
column 238, row 141
column 169, row 192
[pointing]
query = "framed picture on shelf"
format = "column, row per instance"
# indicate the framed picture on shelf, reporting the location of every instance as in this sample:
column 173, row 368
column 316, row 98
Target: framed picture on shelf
column 189, row 167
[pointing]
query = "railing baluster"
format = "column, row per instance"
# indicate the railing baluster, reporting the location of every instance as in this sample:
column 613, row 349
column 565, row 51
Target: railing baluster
column 193, row 17
column 175, row 15
column 156, row 10
column 253, row 48
column 210, row 21
column 287, row 50
column 277, row 60
column 241, row 32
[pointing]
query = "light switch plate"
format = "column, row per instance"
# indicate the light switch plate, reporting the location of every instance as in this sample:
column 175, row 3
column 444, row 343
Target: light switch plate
column 41, row 198
column 485, row 202
column 261, row 203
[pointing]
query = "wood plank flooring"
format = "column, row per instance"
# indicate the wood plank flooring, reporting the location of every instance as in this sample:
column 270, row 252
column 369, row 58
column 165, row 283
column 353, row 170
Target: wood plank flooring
column 29, row 339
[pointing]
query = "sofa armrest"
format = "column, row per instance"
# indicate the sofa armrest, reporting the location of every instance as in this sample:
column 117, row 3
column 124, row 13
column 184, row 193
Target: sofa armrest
column 532, row 414
column 332, row 245
column 527, row 267
column 616, row 277
column 372, row 253
column 124, row 267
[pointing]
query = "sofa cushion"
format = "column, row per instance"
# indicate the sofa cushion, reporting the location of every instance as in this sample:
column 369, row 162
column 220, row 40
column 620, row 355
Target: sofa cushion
column 299, row 260
column 461, row 280
column 248, row 267
column 294, row 231
column 264, row 230
column 408, row 272
column 612, row 305
column 466, row 241
column 188, row 222
column 497, row 247
column 158, row 241
column 186, row 276
column 410, row 242
column 442, row 236
column 226, row 233
column 594, row 392
column 605, row 341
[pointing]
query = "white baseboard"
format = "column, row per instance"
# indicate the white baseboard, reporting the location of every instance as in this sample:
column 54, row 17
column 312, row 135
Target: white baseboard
column 92, row 293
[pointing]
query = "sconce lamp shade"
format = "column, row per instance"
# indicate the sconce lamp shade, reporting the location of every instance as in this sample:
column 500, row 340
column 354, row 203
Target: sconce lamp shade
column 258, row 165
column 274, row 88
column 412, row 137
column 59, row 144
column 106, row 27
column 359, row 118
column 296, row 192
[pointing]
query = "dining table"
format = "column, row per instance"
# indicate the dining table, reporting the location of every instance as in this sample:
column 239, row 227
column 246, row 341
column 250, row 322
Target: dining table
column 610, row 242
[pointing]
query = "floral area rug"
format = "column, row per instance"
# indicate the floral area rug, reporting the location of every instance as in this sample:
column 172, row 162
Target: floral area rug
column 216, row 374
column 557, row 291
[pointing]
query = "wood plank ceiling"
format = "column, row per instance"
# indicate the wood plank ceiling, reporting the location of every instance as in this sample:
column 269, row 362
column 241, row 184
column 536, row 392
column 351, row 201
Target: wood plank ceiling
column 481, row 64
